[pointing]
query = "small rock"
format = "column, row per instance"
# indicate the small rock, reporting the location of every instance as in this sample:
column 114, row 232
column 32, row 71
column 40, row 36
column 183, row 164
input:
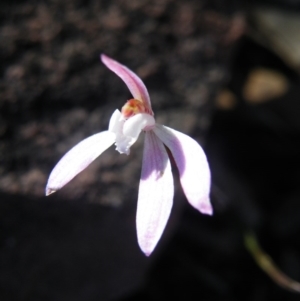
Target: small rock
column 264, row 84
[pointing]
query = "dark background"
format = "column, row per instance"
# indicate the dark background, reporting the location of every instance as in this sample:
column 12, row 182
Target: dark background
column 80, row 244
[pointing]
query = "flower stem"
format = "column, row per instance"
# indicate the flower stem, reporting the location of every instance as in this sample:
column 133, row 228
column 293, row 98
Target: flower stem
column 265, row 262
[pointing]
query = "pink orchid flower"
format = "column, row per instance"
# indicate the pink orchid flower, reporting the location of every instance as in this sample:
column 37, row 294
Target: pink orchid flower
column 156, row 188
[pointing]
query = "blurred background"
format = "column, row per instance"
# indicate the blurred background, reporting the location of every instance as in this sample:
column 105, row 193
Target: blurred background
column 225, row 72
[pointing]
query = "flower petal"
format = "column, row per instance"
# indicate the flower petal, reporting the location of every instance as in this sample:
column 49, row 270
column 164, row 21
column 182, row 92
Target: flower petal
column 128, row 131
column 116, row 125
column 133, row 82
column 192, row 165
column 155, row 194
column 77, row 159
column 134, row 125
column 116, row 122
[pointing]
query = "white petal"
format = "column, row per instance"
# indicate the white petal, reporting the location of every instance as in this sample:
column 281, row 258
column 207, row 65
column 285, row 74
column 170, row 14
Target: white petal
column 155, row 194
column 77, row 159
column 136, row 123
column 131, row 130
column 116, row 122
column 123, row 144
column 192, row 165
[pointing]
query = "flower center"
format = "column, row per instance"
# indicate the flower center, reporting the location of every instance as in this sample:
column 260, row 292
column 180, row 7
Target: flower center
column 133, row 107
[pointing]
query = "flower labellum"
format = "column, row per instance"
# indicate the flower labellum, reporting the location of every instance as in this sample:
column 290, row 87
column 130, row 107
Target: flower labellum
column 156, row 187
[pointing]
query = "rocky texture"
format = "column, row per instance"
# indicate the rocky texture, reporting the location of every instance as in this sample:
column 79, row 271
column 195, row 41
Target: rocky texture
column 54, row 92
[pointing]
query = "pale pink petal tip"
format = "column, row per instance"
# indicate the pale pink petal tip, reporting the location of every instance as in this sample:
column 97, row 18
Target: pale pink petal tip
column 77, row 159
column 49, row 191
column 206, row 208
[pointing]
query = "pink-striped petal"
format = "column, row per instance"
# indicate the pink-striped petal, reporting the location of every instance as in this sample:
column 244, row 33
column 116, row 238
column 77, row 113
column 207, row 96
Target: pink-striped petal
column 155, row 194
column 133, row 82
column 192, row 165
column 77, row 159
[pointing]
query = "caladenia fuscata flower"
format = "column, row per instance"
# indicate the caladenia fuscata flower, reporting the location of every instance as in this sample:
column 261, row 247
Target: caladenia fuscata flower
column 156, row 190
